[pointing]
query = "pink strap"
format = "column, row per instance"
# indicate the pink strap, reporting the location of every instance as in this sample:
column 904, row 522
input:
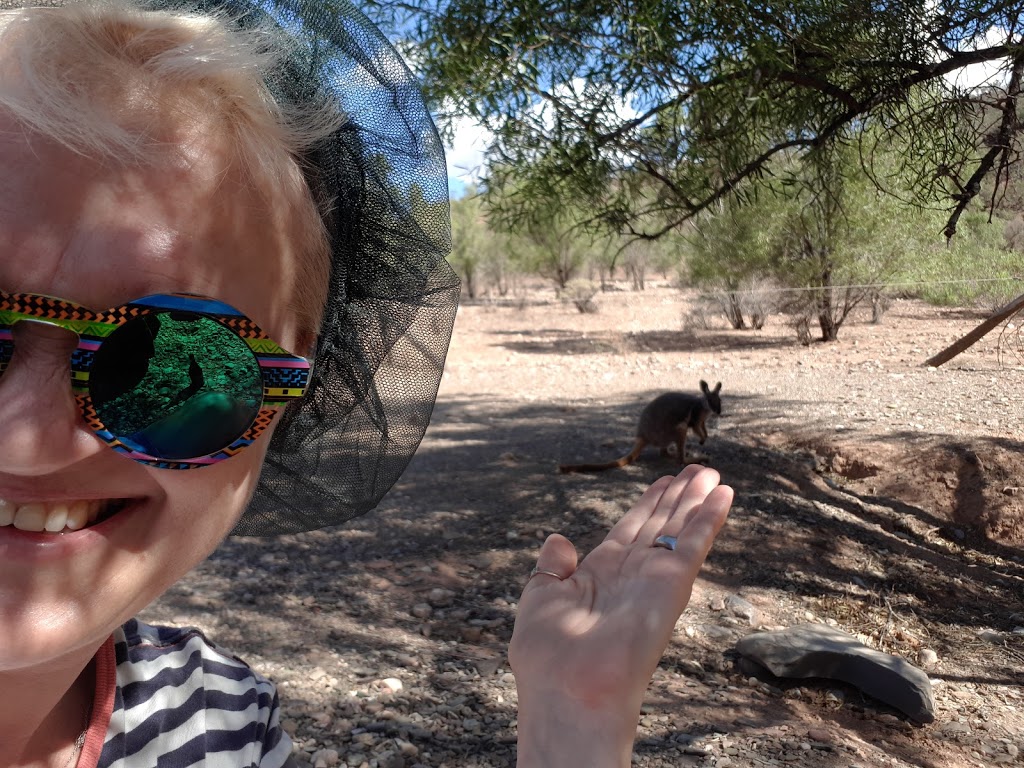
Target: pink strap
column 102, row 705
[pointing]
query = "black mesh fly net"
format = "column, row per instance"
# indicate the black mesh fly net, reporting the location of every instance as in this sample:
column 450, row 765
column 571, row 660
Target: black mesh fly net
column 392, row 297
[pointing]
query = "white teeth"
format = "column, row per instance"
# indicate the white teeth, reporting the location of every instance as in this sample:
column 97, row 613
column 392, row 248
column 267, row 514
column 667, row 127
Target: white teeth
column 57, row 519
column 30, row 517
column 52, row 517
column 78, row 515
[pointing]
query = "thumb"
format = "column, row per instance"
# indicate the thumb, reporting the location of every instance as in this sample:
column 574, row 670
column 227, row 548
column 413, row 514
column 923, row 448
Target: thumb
column 557, row 558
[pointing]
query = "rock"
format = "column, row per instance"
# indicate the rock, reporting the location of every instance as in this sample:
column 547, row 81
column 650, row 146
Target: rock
column 326, row 757
column 926, row 657
column 407, row 748
column 817, row 650
column 422, row 610
column 737, row 606
column 990, row 637
column 955, row 727
column 471, row 634
column 439, row 598
column 393, row 684
column 691, row 668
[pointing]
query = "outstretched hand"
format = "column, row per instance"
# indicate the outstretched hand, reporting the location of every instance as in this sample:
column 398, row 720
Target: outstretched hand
column 588, row 637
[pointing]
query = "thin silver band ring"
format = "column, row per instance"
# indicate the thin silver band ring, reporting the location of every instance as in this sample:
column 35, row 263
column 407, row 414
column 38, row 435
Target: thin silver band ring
column 541, row 571
column 665, row 542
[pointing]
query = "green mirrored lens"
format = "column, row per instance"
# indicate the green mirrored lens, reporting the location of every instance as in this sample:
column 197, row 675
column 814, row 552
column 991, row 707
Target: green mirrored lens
column 176, row 385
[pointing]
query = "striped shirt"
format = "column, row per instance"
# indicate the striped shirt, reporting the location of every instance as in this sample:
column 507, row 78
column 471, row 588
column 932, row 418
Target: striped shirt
column 169, row 698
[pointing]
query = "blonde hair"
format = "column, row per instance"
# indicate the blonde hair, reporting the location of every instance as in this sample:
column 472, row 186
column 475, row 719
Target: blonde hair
column 81, row 71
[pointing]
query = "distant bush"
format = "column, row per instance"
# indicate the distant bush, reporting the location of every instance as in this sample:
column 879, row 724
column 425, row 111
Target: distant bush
column 581, row 293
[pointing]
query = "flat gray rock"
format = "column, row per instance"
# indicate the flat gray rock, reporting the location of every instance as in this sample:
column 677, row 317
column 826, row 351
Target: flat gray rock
column 818, row 650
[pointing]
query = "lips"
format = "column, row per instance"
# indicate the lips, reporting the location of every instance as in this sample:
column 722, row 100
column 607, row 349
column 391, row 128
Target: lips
column 57, row 517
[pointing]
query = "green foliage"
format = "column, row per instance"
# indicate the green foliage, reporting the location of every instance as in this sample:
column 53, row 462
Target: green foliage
column 646, row 113
column 472, row 242
column 831, row 237
column 975, row 268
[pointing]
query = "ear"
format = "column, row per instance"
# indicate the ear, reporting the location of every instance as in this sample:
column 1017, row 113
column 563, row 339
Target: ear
column 718, row 387
column 703, row 386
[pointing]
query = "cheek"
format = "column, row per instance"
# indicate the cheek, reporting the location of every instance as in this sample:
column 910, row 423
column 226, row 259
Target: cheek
column 202, row 506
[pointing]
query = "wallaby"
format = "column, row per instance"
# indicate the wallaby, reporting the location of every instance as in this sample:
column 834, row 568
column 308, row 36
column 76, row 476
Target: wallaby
column 666, row 420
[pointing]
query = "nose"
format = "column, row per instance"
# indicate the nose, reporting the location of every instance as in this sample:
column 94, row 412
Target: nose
column 40, row 423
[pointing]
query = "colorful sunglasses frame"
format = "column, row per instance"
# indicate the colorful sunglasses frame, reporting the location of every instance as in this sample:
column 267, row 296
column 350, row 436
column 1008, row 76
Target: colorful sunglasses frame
column 285, row 376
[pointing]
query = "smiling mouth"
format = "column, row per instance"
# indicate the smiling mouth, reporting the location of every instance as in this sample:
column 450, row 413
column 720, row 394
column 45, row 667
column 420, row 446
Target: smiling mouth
column 58, row 516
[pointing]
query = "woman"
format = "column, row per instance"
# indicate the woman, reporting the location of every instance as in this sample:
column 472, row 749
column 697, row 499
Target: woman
column 224, row 306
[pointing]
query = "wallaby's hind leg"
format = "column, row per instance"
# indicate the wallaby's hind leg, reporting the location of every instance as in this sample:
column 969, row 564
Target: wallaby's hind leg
column 681, row 431
column 701, row 429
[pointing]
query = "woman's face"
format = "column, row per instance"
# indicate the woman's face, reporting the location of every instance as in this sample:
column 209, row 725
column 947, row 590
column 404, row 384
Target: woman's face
column 100, row 237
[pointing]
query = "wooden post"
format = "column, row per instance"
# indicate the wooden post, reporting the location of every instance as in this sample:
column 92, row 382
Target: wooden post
column 969, row 339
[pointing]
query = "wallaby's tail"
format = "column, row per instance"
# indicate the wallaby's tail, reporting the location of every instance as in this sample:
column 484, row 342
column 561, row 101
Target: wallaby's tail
column 629, row 458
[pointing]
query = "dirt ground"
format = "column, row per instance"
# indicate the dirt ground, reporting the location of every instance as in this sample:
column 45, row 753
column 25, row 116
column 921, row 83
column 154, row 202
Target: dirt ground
column 873, row 493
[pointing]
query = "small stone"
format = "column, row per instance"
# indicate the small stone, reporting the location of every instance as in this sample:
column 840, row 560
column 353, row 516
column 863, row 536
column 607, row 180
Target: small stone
column 422, row 611
column 989, row 636
column 440, row 597
column 691, row 668
column 471, row 634
column 326, row 757
column 927, row 657
column 393, row 684
column 956, row 727
column 407, row 748
column 737, row 606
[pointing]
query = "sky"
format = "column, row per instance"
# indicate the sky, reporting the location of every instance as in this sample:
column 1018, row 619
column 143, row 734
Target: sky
column 465, row 154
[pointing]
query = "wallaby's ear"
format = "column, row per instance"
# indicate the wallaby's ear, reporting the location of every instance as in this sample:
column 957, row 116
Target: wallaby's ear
column 718, row 387
column 703, row 386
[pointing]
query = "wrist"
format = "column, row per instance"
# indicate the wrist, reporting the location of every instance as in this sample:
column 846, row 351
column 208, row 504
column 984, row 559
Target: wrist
column 558, row 732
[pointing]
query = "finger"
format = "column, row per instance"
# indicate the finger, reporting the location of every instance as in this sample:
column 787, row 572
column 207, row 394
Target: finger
column 702, row 526
column 684, row 495
column 625, row 531
column 556, row 561
column 677, row 570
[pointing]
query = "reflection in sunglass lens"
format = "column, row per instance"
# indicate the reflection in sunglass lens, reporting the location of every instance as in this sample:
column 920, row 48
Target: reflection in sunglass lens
column 175, row 385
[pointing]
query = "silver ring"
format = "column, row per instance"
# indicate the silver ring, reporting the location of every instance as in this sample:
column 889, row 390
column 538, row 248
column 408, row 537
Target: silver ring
column 538, row 571
column 665, row 542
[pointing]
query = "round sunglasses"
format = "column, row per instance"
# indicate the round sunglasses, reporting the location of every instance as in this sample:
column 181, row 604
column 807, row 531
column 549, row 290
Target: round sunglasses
column 175, row 381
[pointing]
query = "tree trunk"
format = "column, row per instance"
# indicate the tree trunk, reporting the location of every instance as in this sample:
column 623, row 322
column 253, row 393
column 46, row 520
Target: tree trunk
column 968, row 340
column 826, row 309
column 735, row 313
column 828, row 325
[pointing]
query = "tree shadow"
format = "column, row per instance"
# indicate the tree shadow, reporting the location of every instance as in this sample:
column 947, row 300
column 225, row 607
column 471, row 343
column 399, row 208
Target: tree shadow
column 478, row 498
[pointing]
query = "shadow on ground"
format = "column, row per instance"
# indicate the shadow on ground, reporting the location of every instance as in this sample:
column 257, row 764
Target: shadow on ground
column 483, row 491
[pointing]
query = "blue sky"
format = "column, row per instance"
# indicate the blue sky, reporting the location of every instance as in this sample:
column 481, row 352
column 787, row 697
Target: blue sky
column 465, row 154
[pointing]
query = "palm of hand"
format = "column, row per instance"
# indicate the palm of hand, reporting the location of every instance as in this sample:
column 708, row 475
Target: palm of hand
column 596, row 635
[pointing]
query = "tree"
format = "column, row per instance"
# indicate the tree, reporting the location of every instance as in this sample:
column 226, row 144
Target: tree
column 731, row 251
column 471, row 240
column 822, row 232
column 595, row 100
